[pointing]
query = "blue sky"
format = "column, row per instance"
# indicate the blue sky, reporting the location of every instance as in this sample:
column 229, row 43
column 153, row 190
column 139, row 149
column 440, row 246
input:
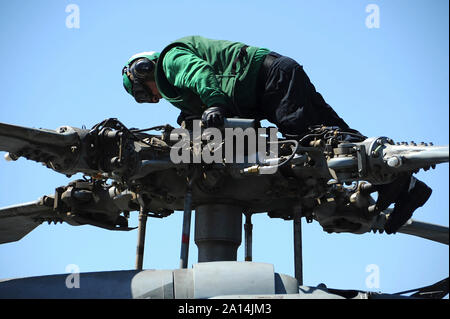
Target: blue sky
column 388, row 81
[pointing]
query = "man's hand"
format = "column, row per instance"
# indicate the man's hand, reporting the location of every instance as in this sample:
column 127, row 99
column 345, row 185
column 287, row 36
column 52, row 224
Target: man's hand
column 213, row 117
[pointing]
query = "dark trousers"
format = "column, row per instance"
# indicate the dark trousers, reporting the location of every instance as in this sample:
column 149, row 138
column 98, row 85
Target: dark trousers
column 289, row 99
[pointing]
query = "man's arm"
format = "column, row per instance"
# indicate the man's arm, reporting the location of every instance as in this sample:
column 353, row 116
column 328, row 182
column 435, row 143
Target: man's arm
column 186, row 70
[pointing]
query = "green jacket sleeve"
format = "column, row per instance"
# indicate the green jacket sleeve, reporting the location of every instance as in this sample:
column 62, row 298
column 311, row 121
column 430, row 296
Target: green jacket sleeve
column 186, row 70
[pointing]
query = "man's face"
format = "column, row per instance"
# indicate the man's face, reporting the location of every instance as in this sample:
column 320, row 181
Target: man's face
column 151, row 85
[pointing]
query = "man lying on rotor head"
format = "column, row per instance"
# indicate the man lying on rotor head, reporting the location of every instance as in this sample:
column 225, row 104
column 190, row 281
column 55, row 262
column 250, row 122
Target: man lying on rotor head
column 214, row 79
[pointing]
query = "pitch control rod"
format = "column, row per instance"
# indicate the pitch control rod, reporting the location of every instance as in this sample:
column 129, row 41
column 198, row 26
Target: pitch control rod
column 141, row 235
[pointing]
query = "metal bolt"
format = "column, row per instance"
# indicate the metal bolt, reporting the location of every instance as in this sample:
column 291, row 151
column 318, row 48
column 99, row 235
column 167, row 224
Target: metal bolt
column 394, row 161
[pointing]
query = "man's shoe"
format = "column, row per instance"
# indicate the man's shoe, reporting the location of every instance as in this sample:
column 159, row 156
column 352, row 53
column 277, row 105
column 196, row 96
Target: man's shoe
column 412, row 197
column 391, row 193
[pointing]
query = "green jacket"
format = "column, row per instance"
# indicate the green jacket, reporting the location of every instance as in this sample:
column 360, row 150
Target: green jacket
column 194, row 73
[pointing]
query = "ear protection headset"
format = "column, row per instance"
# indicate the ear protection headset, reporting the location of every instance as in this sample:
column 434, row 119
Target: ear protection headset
column 139, row 69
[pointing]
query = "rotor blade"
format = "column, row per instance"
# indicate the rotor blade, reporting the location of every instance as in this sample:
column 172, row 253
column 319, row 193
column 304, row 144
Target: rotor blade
column 411, row 157
column 57, row 149
column 435, row 291
column 17, row 138
column 19, row 220
column 61, row 150
column 429, row 231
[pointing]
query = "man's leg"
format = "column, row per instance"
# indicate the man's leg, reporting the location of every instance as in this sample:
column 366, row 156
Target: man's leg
column 291, row 101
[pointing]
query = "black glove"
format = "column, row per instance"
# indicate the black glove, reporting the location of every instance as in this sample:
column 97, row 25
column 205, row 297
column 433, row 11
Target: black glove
column 181, row 117
column 213, row 117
